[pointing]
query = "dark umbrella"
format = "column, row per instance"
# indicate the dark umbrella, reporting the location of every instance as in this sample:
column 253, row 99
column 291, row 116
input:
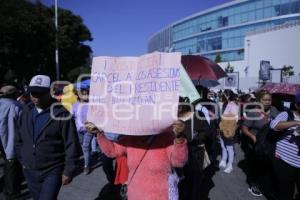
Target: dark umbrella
column 199, row 67
column 281, row 88
column 206, row 83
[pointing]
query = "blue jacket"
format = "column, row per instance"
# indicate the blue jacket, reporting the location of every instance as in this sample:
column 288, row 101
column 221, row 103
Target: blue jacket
column 10, row 111
column 55, row 145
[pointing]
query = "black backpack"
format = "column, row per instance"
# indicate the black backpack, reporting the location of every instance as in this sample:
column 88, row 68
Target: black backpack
column 196, row 151
column 266, row 138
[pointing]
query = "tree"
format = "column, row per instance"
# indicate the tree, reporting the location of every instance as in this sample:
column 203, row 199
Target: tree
column 218, row 58
column 27, row 40
column 287, row 70
column 229, row 68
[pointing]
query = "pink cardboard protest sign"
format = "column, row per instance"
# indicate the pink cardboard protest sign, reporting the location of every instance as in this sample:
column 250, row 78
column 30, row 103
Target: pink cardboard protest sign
column 135, row 95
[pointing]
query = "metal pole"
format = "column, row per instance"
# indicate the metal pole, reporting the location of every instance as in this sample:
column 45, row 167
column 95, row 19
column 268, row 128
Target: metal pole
column 248, row 57
column 56, row 43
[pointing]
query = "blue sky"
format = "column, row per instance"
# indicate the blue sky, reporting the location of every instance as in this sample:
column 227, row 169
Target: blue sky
column 123, row 27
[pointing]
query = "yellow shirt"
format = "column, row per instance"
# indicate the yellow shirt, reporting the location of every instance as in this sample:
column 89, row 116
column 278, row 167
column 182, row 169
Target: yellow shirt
column 68, row 98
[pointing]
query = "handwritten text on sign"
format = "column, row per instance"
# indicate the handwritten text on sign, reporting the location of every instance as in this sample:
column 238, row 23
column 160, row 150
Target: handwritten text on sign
column 135, row 95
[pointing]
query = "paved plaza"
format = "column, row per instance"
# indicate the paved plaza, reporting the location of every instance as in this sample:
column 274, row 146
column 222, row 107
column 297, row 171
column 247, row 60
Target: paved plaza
column 88, row 187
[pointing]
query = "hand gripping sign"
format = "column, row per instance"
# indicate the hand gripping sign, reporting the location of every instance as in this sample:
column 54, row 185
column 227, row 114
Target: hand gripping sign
column 135, row 95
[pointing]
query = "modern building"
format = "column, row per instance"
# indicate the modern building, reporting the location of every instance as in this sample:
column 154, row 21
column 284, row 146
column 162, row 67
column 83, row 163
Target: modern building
column 224, row 33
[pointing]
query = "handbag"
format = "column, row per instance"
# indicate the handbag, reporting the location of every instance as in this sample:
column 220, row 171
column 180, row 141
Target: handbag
column 173, row 181
column 228, row 125
column 123, row 192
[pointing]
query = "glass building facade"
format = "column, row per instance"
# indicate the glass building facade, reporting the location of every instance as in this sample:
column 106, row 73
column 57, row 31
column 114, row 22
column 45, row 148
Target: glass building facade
column 222, row 29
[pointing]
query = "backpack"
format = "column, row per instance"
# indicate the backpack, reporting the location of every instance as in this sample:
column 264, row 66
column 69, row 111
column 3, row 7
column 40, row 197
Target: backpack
column 266, row 138
column 196, row 149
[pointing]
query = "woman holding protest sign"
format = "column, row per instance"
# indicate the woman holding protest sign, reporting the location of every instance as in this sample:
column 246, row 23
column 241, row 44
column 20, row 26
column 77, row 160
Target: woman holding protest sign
column 150, row 159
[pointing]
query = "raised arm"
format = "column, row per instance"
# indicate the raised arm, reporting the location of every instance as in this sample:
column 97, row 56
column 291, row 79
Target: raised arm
column 109, row 148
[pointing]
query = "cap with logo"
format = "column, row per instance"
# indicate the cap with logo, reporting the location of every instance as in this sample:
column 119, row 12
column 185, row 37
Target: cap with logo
column 39, row 84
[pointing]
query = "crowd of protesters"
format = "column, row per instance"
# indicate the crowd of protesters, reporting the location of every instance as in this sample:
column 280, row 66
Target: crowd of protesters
column 42, row 144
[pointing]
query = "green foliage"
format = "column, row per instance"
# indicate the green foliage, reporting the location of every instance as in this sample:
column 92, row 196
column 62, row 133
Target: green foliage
column 27, row 39
column 229, row 68
column 218, row 58
column 287, row 70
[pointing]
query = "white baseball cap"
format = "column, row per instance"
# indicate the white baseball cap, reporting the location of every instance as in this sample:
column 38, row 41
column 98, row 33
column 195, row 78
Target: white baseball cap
column 39, row 84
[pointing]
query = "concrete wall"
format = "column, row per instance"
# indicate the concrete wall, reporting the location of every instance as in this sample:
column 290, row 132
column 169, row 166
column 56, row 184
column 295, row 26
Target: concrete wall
column 246, row 81
column 280, row 46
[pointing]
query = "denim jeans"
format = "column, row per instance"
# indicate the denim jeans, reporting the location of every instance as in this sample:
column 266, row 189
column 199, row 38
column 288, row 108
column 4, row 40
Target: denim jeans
column 94, row 145
column 44, row 186
column 86, row 148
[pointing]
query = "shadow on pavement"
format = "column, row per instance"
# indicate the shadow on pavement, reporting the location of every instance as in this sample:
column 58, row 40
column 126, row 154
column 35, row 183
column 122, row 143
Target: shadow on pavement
column 109, row 192
column 96, row 161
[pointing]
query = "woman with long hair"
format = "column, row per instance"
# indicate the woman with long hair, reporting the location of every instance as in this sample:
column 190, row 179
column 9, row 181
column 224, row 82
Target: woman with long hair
column 229, row 116
column 258, row 165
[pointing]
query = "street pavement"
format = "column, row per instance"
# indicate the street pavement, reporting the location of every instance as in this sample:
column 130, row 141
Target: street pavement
column 88, row 187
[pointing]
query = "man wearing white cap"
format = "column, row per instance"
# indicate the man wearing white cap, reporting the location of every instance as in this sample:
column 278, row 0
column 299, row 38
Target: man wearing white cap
column 10, row 111
column 47, row 144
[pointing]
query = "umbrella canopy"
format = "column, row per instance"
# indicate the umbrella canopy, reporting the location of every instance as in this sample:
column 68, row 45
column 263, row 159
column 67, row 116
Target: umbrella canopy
column 199, row 67
column 206, row 83
column 281, row 88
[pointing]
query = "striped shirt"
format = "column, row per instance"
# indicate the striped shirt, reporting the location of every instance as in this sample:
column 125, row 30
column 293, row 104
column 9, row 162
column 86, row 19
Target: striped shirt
column 286, row 150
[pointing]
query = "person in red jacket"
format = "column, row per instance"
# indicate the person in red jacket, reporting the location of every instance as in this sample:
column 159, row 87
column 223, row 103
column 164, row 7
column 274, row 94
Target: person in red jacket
column 150, row 159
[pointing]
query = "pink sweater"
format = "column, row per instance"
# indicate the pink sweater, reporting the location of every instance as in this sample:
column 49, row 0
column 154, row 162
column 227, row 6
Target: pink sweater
column 150, row 181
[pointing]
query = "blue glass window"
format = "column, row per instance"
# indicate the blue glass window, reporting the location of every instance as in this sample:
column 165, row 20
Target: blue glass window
column 230, row 11
column 267, row 3
column 277, row 10
column 251, row 16
column 259, row 14
column 222, row 21
column 231, row 20
column 285, row 9
column 276, row 2
column 244, row 8
column 268, row 12
column 244, row 17
column 201, row 46
column 225, row 43
column 295, row 7
column 237, row 19
column 285, row 1
column 258, row 4
column 251, row 6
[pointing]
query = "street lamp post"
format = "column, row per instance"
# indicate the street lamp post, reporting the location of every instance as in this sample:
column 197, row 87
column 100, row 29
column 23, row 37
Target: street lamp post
column 56, row 43
column 248, row 58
